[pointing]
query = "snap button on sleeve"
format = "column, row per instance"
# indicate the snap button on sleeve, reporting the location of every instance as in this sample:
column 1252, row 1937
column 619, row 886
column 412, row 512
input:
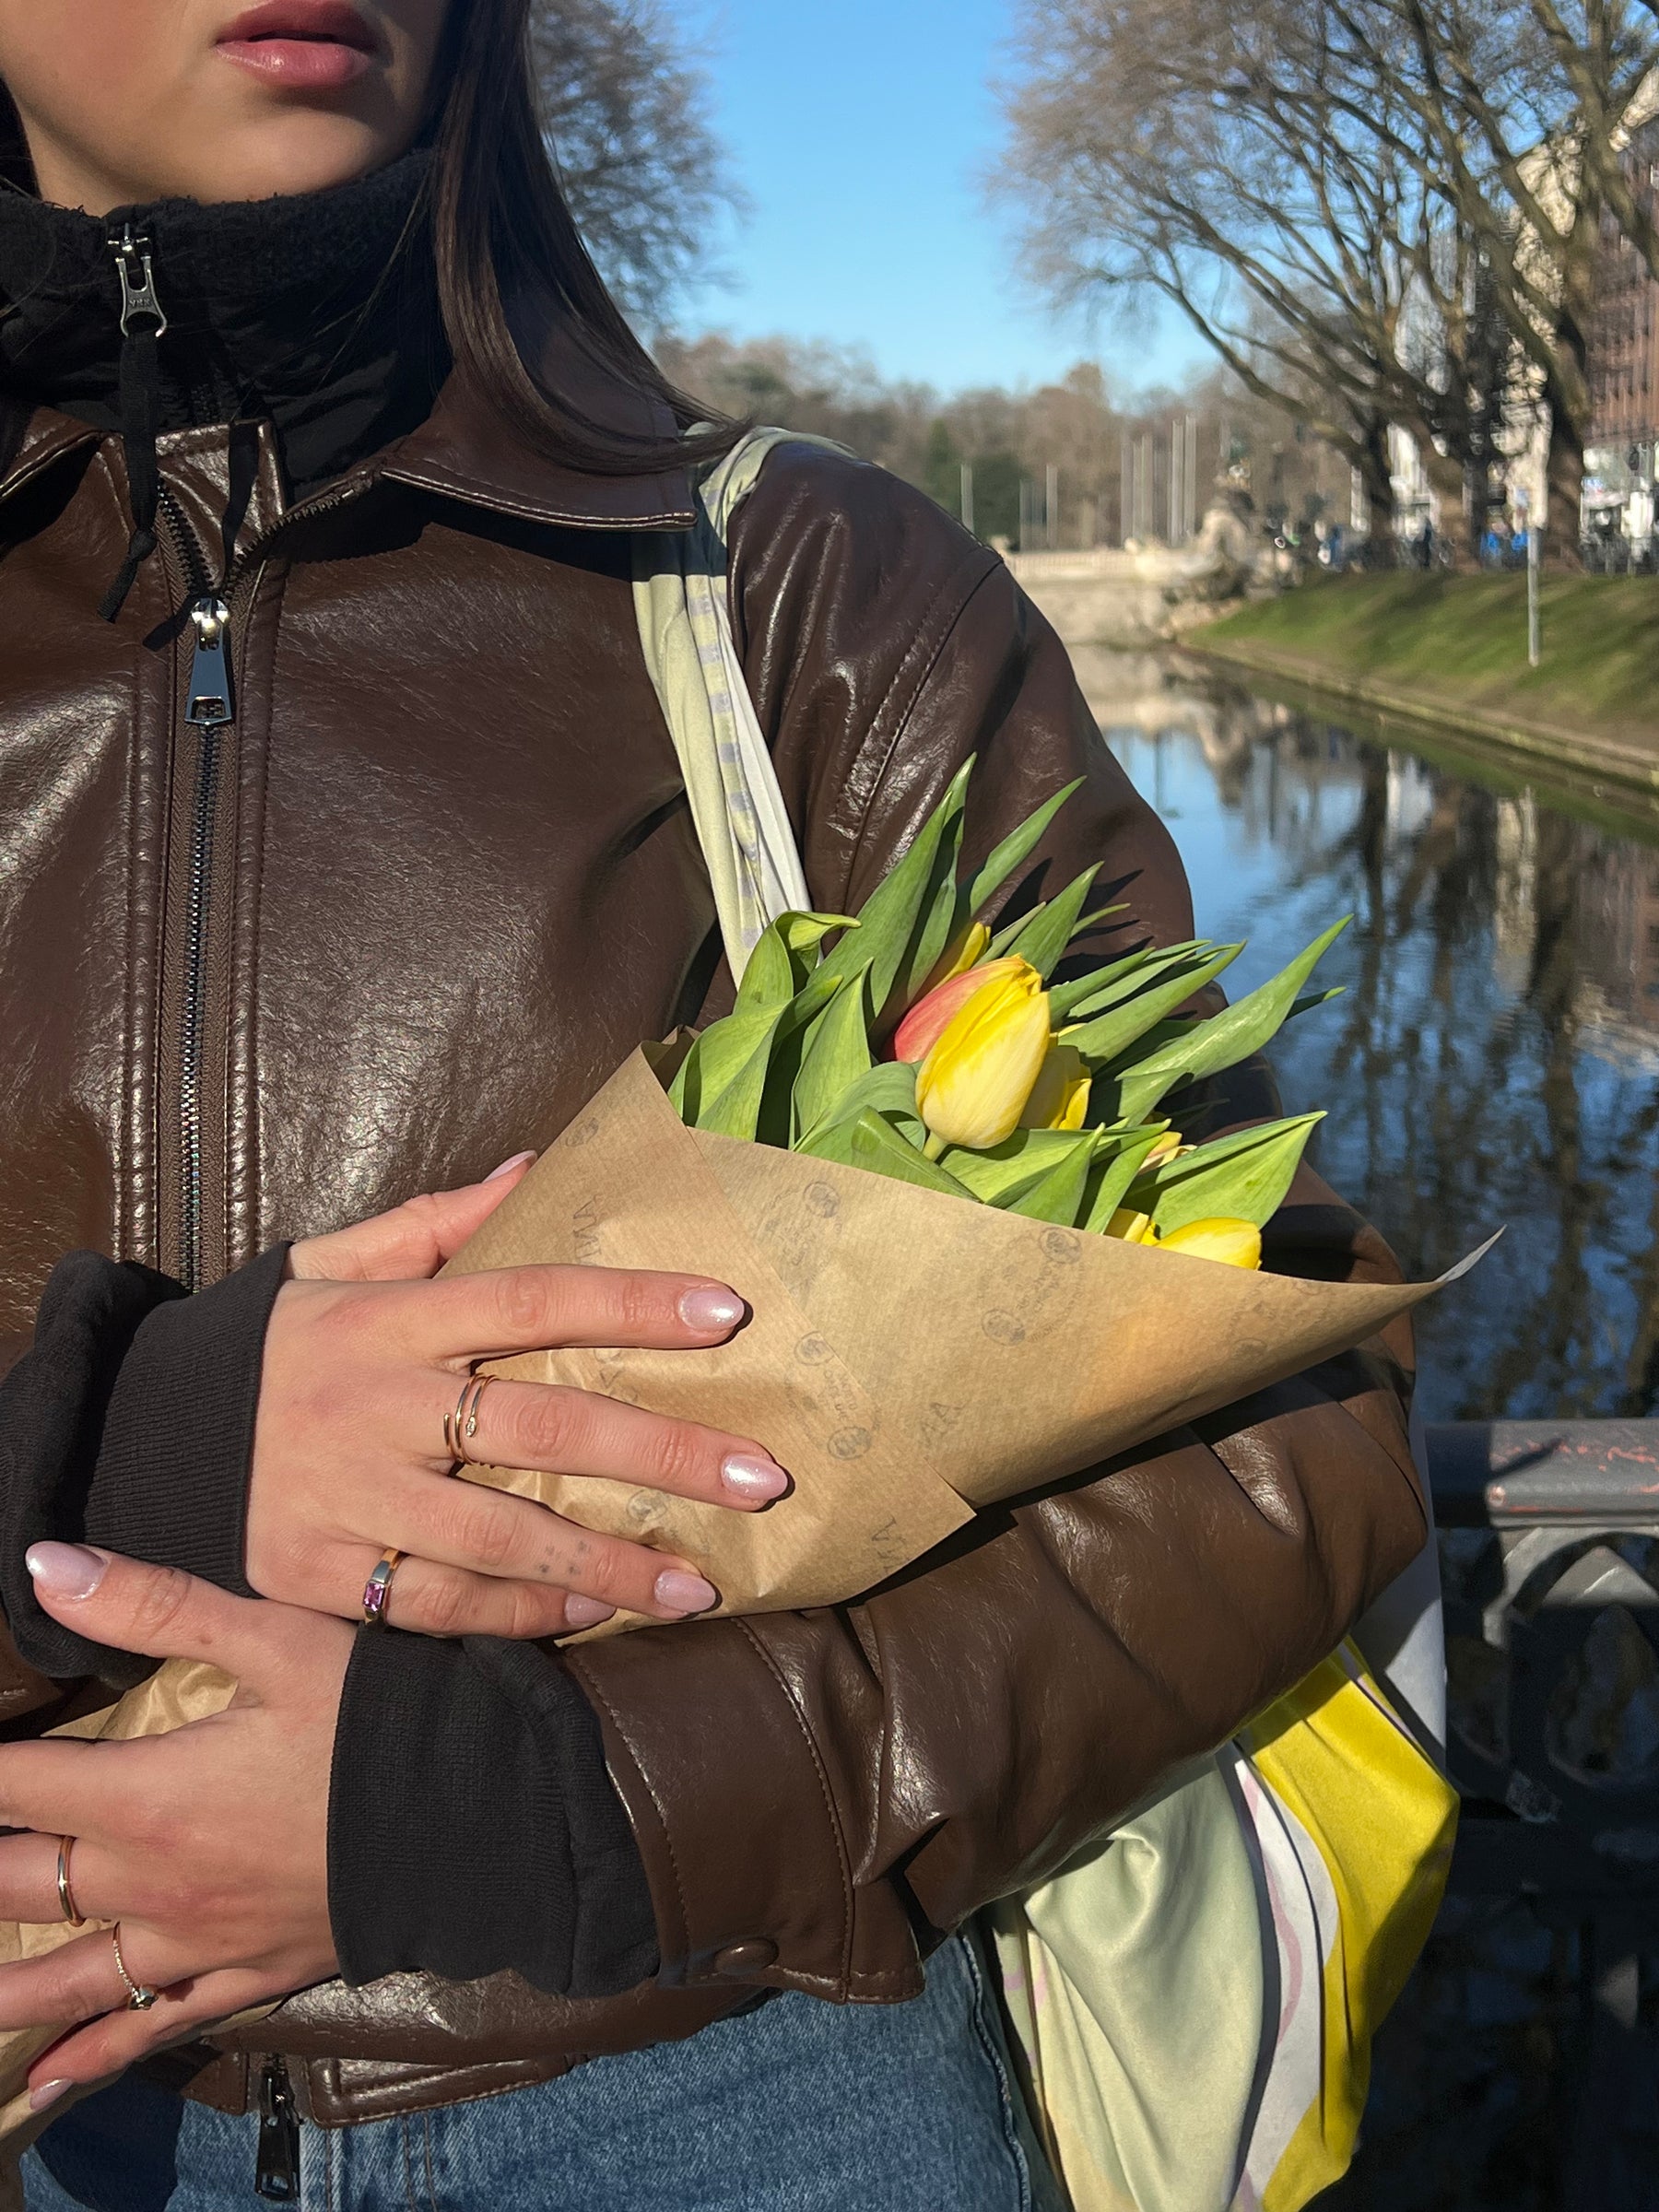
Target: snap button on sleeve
column 749, row 1957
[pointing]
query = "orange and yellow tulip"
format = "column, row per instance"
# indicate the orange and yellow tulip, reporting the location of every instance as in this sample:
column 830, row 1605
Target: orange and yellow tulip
column 978, row 1075
column 931, row 1015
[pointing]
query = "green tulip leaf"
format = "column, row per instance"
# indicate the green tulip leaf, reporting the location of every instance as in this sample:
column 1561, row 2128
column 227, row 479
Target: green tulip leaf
column 1111, row 1182
column 714, row 1060
column 888, row 922
column 1224, row 1039
column 1242, row 1177
column 889, row 1090
column 1091, row 994
column 1003, row 1173
column 1061, row 1196
column 935, row 927
column 734, row 1108
column 1015, row 850
column 785, row 958
column 1110, row 1035
column 1044, row 937
column 866, row 1141
column 837, row 1052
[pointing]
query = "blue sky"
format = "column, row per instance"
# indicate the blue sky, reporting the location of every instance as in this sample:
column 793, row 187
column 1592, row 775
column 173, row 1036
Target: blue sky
column 860, row 130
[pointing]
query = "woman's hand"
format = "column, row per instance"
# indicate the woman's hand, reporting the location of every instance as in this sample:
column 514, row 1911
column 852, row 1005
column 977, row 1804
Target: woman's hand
column 364, row 1361
column 209, row 1845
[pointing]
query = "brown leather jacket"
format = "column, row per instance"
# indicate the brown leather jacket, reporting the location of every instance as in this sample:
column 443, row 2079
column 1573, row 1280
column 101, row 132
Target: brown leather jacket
column 400, row 921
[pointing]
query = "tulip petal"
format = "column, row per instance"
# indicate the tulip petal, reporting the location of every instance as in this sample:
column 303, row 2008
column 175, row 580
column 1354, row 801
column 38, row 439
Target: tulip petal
column 1234, row 1243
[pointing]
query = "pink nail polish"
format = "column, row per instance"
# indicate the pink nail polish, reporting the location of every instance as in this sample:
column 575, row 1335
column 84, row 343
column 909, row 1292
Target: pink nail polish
column 587, row 1612
column 66, row 1570
column 711, row 1307
column 48, row 2093
column 519, row 1159
column 749, row 1474
column 685, row 1592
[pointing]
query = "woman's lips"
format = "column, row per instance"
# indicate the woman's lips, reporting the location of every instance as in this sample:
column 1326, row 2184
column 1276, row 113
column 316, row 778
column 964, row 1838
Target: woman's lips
column 308, row 64
column 306, row 43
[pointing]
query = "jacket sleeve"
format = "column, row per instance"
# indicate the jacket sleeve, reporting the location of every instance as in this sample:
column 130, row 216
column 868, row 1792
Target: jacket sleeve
column 818, row 1795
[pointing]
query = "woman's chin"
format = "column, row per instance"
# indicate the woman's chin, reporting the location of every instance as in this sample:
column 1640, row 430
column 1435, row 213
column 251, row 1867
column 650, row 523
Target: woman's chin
column 293, row 146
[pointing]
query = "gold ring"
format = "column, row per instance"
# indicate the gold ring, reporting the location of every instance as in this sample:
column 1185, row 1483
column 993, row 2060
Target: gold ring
column 72, row 1912
column 462, row 1426
column 377, row 1589
column 139, row 1998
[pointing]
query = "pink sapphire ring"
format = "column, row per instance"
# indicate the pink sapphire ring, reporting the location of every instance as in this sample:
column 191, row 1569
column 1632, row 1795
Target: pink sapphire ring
column 377, row 1589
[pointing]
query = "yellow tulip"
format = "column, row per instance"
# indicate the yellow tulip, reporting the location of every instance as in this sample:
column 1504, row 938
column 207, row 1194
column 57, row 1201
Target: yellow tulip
column 1169, row 1146
column 1061, row 1098
column 1130, row 1228
column 975, row 1083
column 1234, row 1243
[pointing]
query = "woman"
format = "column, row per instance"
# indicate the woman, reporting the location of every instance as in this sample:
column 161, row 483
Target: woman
column 342, row 854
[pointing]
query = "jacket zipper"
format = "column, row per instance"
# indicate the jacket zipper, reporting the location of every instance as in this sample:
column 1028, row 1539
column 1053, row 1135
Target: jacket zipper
column 276, row 2171
column 211, row 711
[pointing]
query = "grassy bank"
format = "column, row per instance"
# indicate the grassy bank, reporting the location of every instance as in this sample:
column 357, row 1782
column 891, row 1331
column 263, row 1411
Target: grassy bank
column 1452, row 651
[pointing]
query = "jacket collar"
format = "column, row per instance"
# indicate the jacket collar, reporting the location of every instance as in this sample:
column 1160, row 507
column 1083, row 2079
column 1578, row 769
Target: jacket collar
column 464, row 451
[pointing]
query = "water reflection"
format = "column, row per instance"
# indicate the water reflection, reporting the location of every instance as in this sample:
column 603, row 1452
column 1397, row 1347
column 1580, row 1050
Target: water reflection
column 1496, row 1057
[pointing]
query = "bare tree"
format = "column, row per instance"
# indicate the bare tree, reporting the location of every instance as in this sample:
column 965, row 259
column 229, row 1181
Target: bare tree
column 1524, row 108
column 1382, row 184
column 1268, row 177
column 627, row 116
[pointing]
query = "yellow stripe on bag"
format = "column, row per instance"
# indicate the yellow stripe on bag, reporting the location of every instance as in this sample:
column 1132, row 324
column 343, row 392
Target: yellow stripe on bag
column 1382, row 1819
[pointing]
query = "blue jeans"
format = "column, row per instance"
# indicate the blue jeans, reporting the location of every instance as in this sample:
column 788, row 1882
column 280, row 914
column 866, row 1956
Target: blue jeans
column 797, row 2106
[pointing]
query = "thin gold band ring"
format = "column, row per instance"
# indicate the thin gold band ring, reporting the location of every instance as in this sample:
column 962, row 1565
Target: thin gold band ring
column 71, row 1910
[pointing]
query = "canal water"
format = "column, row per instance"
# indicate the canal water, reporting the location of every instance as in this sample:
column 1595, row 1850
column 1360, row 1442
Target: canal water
column 1494, row 1061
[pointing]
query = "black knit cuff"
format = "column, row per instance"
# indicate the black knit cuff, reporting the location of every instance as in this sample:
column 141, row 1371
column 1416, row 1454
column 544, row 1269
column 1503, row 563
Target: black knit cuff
column 473, row 1826
column 54, row 1405
column 172, row 1480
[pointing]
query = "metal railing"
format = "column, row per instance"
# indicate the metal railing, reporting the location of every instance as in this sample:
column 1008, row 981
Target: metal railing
column 1550, row 1553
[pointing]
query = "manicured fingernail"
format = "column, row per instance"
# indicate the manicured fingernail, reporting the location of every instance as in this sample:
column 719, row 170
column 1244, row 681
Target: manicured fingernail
column 48, row 2093
column 587, row 1612
column 712, row 1306
column 66, row 1570
column 684, row 1592
column 750, row 1475
column 519, row 1159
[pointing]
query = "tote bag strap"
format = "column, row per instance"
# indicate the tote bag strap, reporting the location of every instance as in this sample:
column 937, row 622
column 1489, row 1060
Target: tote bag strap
column 685, row 632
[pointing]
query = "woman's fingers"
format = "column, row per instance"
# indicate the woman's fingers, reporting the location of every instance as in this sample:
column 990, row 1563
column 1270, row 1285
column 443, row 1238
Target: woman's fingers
column 555, row 1431
column 80, row 1978
column 533, row 1308
column 589, row 1577
column 107, row 2046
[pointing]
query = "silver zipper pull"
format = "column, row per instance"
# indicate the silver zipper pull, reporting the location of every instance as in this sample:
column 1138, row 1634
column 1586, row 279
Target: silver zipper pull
column 211, row 703
column 132, row 251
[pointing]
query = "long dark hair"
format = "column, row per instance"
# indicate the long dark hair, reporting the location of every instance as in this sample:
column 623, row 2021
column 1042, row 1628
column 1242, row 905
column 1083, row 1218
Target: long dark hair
column 512, row 264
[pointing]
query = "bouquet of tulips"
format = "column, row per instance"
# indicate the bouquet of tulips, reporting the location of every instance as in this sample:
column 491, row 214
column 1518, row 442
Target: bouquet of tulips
column 952, row 1183
column 924, row 1049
